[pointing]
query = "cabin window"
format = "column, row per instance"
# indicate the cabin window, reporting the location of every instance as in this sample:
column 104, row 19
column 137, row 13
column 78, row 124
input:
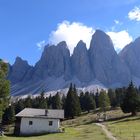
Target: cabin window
column 30, row 122
column 50, row 123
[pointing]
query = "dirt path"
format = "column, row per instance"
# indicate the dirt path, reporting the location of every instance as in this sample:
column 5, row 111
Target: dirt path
column 108, row 133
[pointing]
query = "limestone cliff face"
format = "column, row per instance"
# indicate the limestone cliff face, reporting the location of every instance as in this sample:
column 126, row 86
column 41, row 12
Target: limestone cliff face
column 131, row 56
column 18, row 71
column 56, row 69
column 80, row 63
column 55, row 61
column 106, row 64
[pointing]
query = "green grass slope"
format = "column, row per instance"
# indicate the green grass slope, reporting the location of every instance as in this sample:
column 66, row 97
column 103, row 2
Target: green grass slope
column 80, row 128
column 126, row 128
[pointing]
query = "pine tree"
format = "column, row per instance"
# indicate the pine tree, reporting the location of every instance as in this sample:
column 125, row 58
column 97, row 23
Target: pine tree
column 97, row 99
column 9, row 115
column 56, row 102
column 82, row 101
column 90, row 102
column 72, row 104
column 78, row 107
column 19, row 105
column 131, row 101
column 104, row 101
column 63, row 101
column 112, row 97
column 50, row 102
column 42, row 101
column 28, row 102
column 120, row 92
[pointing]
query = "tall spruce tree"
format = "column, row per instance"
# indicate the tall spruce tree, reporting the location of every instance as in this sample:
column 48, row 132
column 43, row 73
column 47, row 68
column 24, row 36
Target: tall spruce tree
column 78, row 107
column 120, row 93
column 90, row 102
column 42, row 101
column 97, row 99
column 63, row 101
column 72, row 104
column 112, row 97
column 19, row 105
column 82, row 101
column 28, row 102
column 131, row 101
column 56, row 102
column 50, row 101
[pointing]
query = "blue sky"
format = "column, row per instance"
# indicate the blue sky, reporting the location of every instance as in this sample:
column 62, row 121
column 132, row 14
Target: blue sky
column 27, row 24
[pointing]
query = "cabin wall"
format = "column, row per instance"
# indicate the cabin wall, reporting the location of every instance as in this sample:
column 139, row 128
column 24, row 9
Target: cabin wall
column 38, row 125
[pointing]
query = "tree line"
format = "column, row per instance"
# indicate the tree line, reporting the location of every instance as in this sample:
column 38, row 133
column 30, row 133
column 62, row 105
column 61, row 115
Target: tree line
column 73, row 103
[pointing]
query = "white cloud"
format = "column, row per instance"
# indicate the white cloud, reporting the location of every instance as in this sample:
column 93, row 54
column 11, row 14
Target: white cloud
column 41, row 44
column 72, row 33
column 75, row 31
column 134, row 14
column 120, row 39
column 117, row 22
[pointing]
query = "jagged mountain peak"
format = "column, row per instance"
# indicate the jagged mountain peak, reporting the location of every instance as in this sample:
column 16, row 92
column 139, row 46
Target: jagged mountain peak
column 101, row 40
column 134, row 46
column 105, row 63
column 130, row 55
column 62, row 44
column 80, row 46
column 18, row 58
column 80, row 62
column 18, row 70
column 54, row 61
column 99, row 32
column 20, row 61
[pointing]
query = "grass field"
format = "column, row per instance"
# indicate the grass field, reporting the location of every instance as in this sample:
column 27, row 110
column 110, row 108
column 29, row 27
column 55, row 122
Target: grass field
column 82, row 132
column 83, row 127
column 126, row 128
column 80, row 128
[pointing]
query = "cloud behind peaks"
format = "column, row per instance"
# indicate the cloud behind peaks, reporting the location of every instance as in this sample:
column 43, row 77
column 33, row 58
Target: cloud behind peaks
column 134, row 14
column 120, row 39
column 72, row 33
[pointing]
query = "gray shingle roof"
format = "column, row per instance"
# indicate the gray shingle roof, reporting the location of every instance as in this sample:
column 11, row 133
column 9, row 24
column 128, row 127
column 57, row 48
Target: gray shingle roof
column 41, row 113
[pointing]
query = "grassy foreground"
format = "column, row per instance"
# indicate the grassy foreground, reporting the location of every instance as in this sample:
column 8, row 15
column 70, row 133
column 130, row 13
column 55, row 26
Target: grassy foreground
column 125, row 129
column 83, row 127
column 82, row 132
column 80, row 128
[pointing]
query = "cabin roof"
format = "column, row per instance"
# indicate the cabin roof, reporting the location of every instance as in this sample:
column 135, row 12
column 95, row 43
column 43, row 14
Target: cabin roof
column 41, row 113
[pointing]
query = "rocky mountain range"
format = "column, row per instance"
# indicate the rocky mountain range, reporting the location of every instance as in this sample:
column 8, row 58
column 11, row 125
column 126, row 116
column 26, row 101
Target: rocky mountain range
column 56, row 68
